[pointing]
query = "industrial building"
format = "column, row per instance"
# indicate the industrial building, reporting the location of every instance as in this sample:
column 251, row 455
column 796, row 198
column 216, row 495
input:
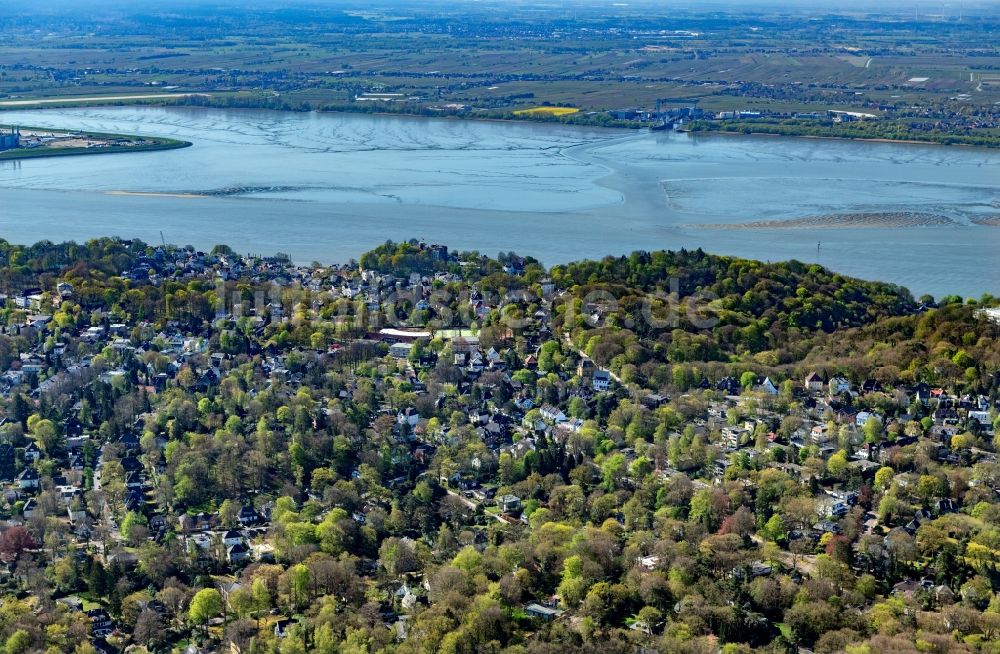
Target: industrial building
column 11, row 140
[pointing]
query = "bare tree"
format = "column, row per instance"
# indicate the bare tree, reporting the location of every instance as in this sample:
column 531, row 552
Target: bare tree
column 148, row 628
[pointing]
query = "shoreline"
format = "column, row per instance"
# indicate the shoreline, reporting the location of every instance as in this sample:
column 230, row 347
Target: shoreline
column 158, row 143
column 27, row 104
column 620, row 125
column 480, row 119
column 167, row 100
column 817, row 137
column 12, row 155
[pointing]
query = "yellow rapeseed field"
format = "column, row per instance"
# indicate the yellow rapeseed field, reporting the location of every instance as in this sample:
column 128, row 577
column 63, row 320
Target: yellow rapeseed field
column 550, row 111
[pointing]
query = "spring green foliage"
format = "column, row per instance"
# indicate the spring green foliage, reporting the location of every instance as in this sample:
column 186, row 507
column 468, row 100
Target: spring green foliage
column 696, row 513
column 890, row 130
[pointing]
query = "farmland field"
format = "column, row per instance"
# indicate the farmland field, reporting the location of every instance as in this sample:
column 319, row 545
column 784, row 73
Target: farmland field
column 920, row 67
column 546, row 111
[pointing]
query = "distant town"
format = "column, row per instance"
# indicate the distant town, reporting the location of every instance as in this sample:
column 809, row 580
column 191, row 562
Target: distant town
column 902, row 73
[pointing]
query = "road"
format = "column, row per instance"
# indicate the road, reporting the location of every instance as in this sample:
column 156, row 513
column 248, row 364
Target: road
column 466, row 501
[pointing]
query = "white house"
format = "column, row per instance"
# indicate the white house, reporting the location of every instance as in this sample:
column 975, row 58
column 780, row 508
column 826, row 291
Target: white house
column 400, row 350
column 982, row 417
column 552, row 414
column 865, row 416
column 32, row 454
column 27, row 479
column 839, row 385
column 408, row 416
column 232, row 537
column 767, row 386
column 238, row 553
column 509, row 503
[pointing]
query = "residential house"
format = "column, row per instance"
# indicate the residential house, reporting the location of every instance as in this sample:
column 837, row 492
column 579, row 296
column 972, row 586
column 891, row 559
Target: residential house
column 281, row 627
column 232, row 537
column 864, row 416
column 238, row 553
column 248, row 517
column 133, row 480
column 28, row 479
column 820, row 434
column 408, row 416
column 158, row 523
column 838, row 386
column 813, row 382
column 654, row 401
column 32, row 453
column 400, row 350
column 76, row 512
column 552, row 414
column 100, row 623
column 730, row 385
column 871, row 386
column 509, row 503
column 767, row 386
column 134, row 501
column 545, row 613
column 982, row 417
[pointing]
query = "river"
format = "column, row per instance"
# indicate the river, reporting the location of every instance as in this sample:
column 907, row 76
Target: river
column 326, row 187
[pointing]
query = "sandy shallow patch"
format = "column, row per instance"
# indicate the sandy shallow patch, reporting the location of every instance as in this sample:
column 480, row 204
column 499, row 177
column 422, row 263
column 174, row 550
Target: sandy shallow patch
column 884, row 220
column 151, row 194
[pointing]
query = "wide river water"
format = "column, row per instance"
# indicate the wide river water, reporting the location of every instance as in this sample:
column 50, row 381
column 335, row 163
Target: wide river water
column 327, row 187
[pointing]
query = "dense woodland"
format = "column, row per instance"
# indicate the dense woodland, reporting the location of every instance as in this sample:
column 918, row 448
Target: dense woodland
column 923, row 130
column 705, row 499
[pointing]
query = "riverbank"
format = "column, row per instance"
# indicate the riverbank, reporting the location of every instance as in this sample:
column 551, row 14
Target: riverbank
column 578, row 118
column 18, row 155
column 751, row 129
column 94, row 100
